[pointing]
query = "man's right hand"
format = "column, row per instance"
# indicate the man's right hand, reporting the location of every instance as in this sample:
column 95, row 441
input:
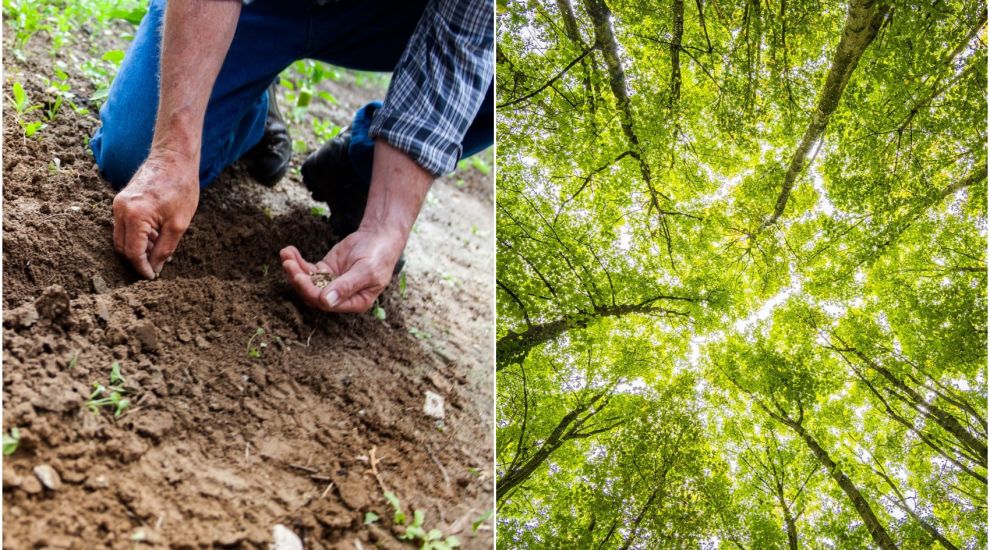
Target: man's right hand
column 152, row 213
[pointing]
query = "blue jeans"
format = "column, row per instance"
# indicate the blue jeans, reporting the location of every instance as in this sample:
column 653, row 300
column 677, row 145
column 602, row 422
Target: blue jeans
column 270, row 36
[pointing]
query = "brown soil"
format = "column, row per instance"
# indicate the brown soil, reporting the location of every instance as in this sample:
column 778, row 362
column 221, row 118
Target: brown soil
column 219, row 446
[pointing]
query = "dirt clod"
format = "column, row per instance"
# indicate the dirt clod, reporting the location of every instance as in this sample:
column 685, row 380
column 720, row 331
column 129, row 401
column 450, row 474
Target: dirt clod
column 144, row 335
column 53, row 302
column 31, row 485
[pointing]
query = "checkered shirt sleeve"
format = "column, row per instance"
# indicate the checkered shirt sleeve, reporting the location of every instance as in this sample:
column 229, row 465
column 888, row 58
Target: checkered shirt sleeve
column 439, row 83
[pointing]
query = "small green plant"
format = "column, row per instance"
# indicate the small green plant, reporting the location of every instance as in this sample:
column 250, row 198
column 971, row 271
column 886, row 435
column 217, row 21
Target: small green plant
column 370, row 517
column 318, row 211
column 476, row 524
column 476, row 162
column 11, row 441
column 111, row 395
column 402, row 284
column 23, row 106
column 421, row 334
column 378, row 312
column 431, row 540
column 254, row 351
column 74, row 361
column 324, row 130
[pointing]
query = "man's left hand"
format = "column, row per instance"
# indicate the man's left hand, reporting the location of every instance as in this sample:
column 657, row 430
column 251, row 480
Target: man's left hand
column 362, row 264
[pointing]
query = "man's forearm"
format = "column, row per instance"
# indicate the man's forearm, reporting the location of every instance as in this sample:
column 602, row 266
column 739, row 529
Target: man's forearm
column 195, row 40
column 398, row 189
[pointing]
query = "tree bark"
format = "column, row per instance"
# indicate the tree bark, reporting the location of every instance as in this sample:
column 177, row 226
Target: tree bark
column 568, row 428
column 605, row 41
column 515, row 346
column 789, row 522
column 863, row 22
column 873, row 525
column 675, row 53
column 947, row 421
column 574, row 35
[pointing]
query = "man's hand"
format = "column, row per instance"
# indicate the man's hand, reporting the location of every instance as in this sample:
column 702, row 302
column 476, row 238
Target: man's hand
column 152, row 213
column 362, row 264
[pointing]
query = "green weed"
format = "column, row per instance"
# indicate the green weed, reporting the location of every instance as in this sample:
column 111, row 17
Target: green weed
column 431, row 540
column 22, row 106
column 476, row 162
column 254, row 351
column 111, row 395
column 11, row 441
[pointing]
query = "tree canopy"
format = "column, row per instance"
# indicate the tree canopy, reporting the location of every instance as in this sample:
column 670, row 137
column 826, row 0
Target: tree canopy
column 742, row 274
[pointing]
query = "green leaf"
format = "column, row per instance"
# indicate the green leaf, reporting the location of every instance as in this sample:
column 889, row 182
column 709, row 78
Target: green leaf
column 418, row 517
column 378, row 312
column 115, row 376
column 370, row 517
column 114, row 56
column 481, row 520
column 20, row 97
column 11, row 441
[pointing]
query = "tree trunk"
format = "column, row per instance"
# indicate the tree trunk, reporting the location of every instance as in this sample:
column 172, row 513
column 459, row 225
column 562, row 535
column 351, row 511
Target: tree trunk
column 863, row 22
column 789, row 522
column 675, row 53
column 873, row 525
column 566, row 429
column 605, row 40
column 515, row 346
column 947, row 421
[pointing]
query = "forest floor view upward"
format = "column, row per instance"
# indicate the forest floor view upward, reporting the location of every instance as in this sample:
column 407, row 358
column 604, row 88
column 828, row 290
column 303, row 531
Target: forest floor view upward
column 741, row 274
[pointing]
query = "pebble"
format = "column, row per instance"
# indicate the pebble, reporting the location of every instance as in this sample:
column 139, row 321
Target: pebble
column 99, row 285
column 285, row 539
column 48, row 476
column 201, row 342
column 433, row 406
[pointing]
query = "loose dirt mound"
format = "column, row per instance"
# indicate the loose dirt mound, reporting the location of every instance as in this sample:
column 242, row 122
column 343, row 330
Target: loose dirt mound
column 226, row 435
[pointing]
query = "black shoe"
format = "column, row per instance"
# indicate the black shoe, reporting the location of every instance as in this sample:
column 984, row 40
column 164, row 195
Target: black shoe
column 268, row 161
column 331, row 178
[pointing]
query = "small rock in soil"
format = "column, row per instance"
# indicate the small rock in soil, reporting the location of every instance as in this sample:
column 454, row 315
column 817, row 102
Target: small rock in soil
column 285, row 539
column 53, row 302
column 102, row 311
column 433, row 406
column 99, row 285
column 99, row 481
column 201, row 342
column 184, row 335
column 48, row 476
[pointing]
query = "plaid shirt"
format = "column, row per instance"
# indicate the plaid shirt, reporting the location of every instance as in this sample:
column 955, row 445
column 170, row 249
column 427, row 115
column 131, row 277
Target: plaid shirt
column 439, row 83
